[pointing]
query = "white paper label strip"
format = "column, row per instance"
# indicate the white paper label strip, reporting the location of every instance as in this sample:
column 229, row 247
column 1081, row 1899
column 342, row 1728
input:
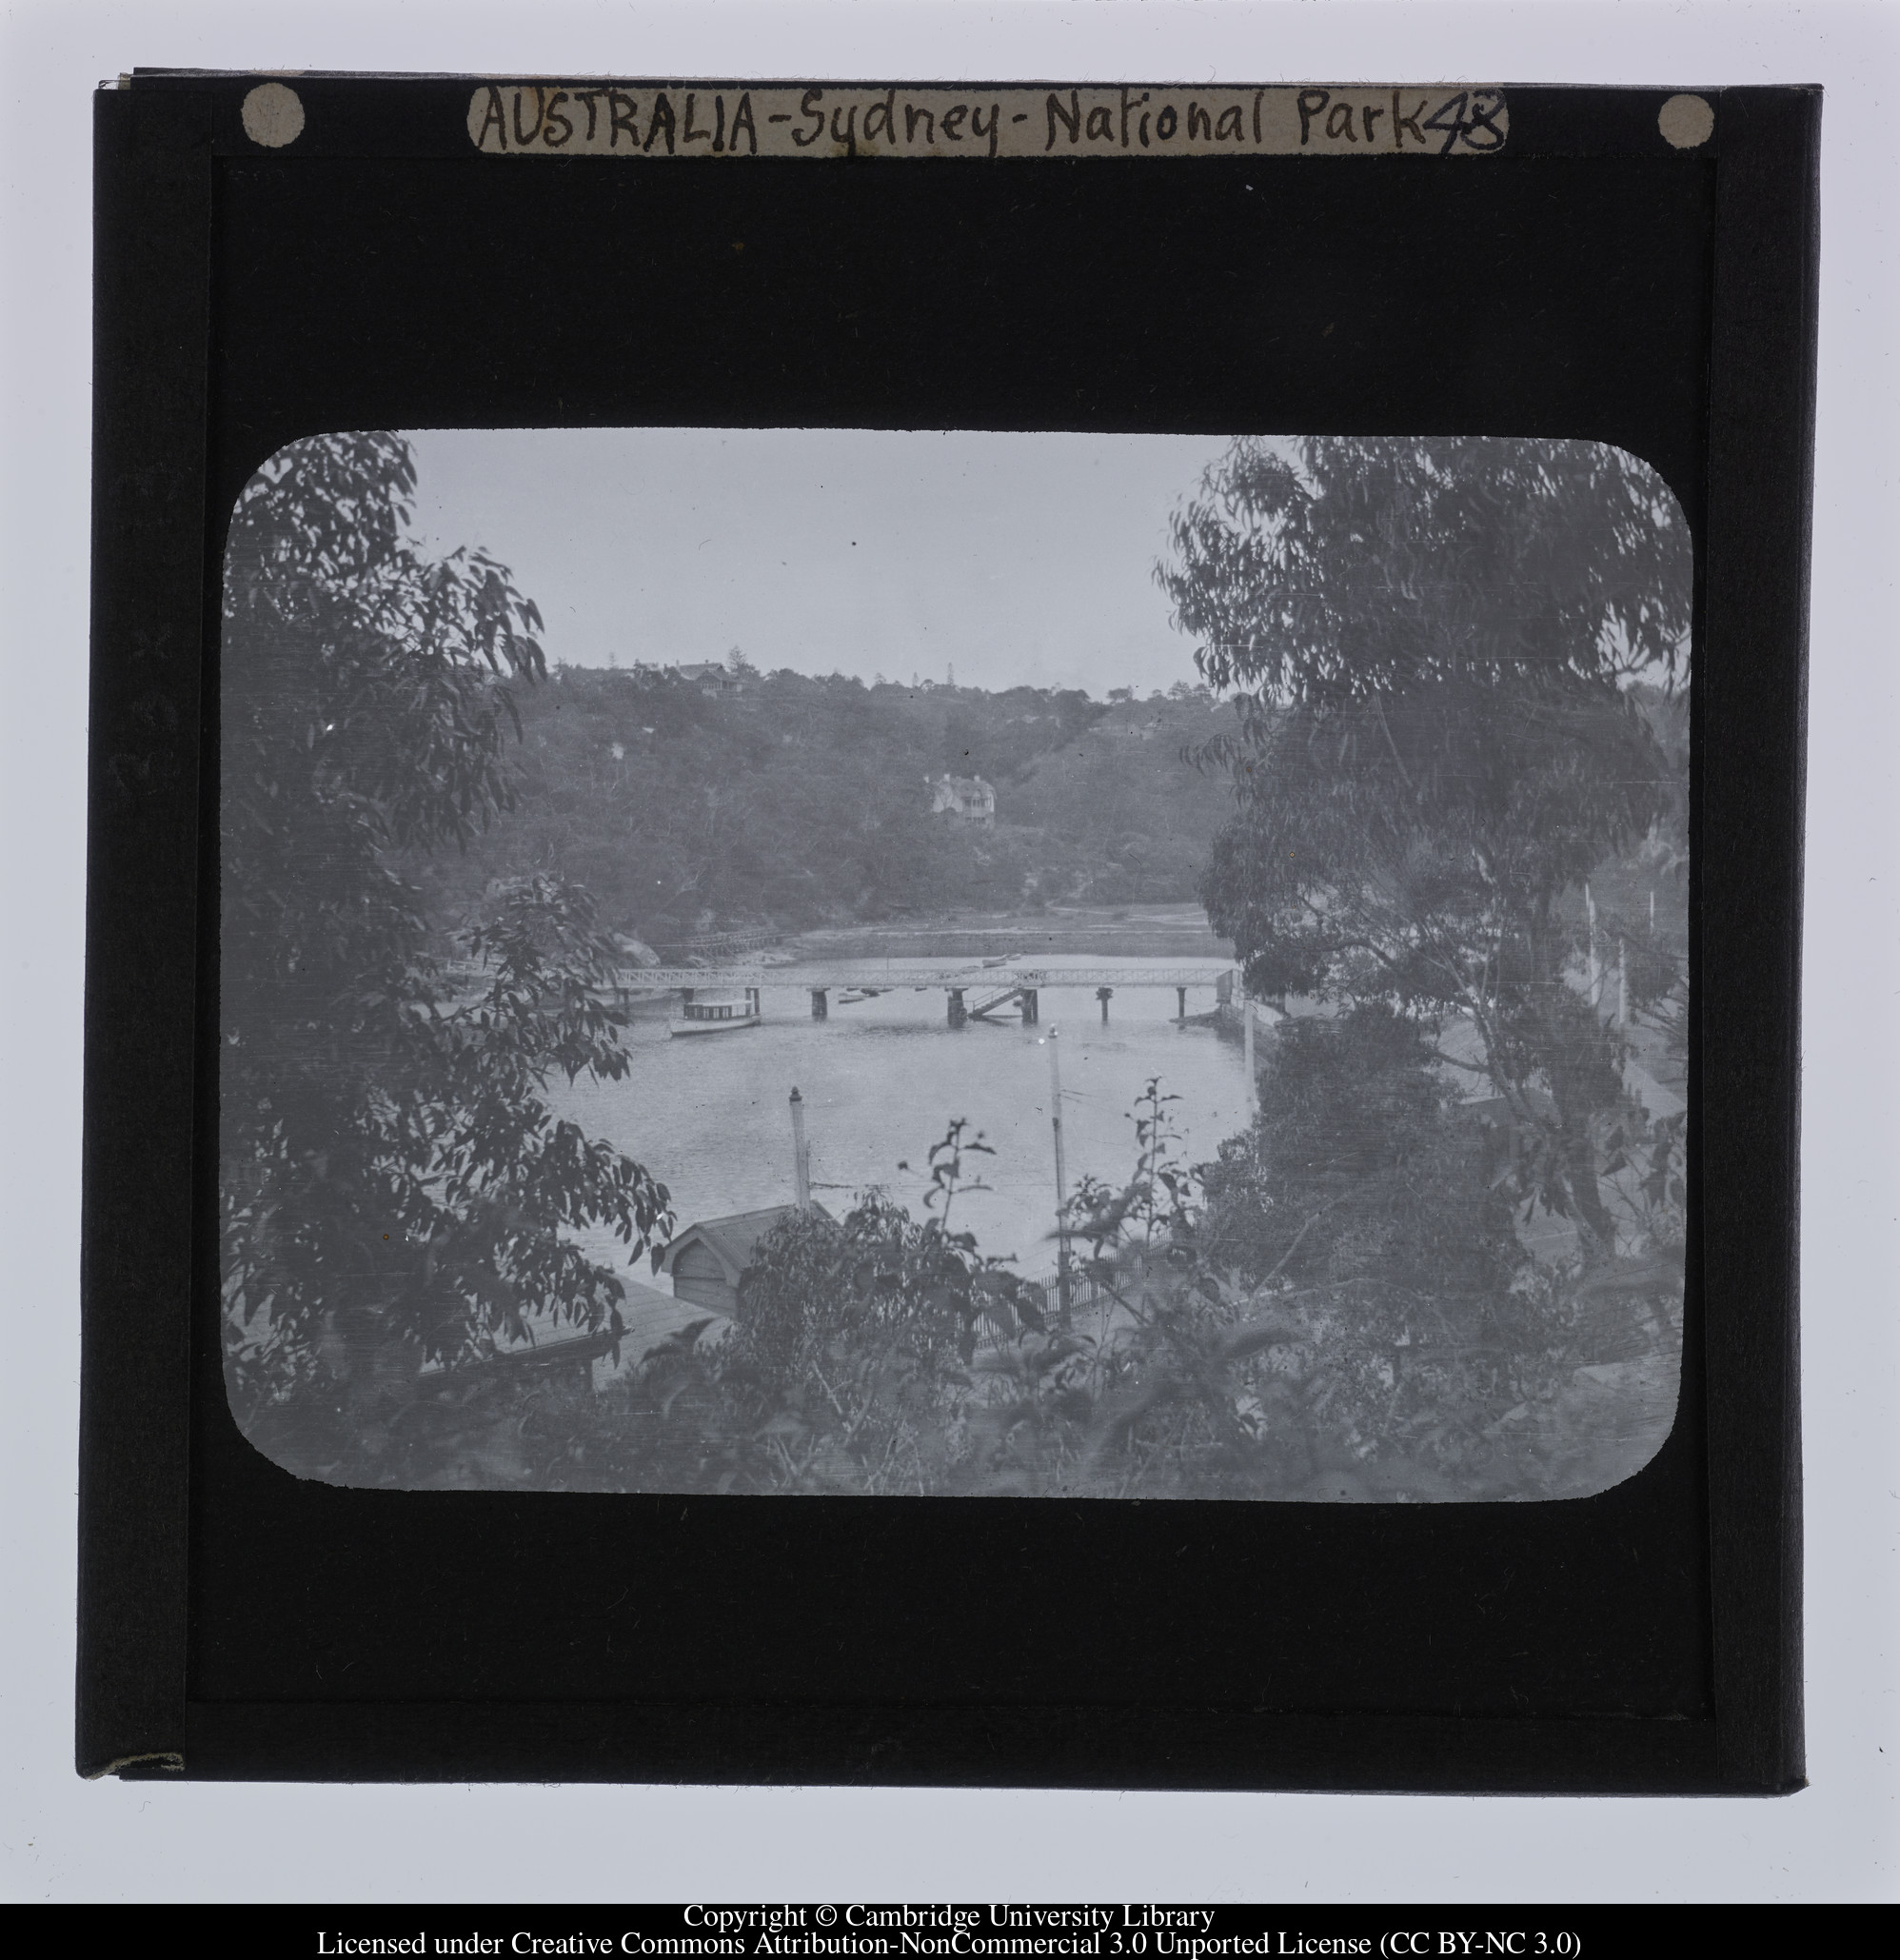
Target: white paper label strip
column 728, row 119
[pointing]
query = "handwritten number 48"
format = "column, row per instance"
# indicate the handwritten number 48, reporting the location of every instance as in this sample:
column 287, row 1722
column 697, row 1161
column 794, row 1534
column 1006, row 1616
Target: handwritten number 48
column 1452, row 118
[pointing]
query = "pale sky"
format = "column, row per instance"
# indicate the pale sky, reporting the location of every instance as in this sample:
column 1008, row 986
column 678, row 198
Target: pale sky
column 1015, row 558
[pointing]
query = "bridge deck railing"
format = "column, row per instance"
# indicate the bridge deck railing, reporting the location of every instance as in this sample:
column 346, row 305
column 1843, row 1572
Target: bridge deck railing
column 1011, row 977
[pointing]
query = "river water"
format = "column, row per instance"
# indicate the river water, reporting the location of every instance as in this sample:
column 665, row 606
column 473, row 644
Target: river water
column 881, row 1079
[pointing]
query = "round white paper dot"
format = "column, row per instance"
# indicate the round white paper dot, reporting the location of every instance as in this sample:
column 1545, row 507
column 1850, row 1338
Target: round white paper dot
column 1685, row 120
column 273, row 115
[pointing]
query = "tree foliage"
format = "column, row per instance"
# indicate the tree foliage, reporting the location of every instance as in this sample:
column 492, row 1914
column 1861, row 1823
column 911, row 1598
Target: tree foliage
column 1370, row 1199
column 1453, row 658
column 393, row 1185
column 1358, row 1170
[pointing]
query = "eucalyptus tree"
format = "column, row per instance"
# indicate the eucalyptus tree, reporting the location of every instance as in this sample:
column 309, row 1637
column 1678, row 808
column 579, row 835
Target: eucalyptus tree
column 1441, row 651
column 395, row 1189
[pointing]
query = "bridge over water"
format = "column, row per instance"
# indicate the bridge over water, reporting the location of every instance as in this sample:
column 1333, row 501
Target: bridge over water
column 1003, row 983
column 1015, row 973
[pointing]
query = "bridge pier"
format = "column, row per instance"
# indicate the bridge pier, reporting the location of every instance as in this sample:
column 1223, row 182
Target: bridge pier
column 974, row 993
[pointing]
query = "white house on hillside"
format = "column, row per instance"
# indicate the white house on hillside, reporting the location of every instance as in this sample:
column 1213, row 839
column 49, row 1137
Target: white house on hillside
column 968, row 798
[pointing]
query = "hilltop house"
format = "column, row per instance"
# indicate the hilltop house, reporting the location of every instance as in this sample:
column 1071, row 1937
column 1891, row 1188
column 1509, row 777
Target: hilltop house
column 967, row 797
column 711, row 679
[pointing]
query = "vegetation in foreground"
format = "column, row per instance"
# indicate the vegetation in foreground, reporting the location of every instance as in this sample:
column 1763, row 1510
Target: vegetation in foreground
column 1337, row 1309
column 394, row 1191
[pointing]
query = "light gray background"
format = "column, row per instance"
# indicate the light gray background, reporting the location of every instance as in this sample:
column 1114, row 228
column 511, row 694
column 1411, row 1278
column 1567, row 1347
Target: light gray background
column 1018, row 560
column 63, row 1839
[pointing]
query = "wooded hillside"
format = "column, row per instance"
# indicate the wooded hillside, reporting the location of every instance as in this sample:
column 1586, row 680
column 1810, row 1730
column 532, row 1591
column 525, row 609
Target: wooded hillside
column 791, row 800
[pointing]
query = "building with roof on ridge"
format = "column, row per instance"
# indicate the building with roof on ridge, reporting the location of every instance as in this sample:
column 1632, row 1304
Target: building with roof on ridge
column 710, row 678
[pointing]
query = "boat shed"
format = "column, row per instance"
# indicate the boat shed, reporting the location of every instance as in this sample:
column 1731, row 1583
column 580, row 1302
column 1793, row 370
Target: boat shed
column 648, row 1320
column 705, row 1260
column 653, row 1321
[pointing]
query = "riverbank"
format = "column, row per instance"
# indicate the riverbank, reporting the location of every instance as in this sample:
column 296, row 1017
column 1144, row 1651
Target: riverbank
column 1135, row 932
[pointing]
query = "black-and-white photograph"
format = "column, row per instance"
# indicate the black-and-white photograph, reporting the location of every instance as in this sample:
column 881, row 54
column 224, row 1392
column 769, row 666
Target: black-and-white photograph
column 910, row 963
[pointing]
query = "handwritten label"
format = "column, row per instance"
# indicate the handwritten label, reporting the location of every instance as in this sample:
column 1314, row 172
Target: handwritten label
column 727, row 119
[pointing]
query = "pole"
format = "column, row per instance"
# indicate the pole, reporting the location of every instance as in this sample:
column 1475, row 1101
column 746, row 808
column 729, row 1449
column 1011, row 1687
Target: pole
column 800, row 1162
column 1622, row 981
column 1595, row 971
column 1247, row 1043
column 1062, row 1183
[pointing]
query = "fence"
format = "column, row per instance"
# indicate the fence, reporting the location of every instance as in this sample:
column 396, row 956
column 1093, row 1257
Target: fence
column 716, row 945
column 1084, row 1292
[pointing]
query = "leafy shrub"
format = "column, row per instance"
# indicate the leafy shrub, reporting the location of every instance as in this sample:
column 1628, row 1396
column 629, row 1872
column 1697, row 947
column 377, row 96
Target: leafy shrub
column 1338, row 1308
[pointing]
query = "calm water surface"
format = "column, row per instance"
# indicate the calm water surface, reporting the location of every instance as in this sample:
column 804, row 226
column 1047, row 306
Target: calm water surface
column 882, row 1080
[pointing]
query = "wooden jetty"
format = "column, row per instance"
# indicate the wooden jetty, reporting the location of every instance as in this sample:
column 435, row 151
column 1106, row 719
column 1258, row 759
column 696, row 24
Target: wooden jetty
column 1003, row 984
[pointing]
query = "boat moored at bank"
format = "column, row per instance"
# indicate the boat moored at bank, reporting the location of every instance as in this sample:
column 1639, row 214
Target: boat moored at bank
column 716, row 1013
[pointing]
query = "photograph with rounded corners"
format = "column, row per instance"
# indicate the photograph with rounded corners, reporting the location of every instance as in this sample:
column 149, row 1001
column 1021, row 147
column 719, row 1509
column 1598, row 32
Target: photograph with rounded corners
column 945, row 963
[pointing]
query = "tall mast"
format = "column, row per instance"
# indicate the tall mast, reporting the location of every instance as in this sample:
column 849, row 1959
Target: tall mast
column 1247, row 1051
column 800, row 1162
column 1062, row 1180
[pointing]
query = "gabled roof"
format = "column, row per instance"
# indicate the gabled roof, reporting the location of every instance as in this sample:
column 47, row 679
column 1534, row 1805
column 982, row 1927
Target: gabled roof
column 648, row 1319
column 651, row 1320
column 729, row 1239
